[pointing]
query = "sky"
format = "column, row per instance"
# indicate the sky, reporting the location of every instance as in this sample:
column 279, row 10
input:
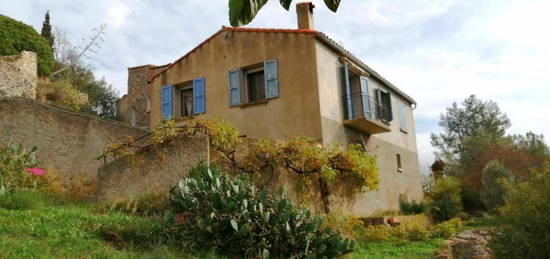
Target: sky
column 437, row 51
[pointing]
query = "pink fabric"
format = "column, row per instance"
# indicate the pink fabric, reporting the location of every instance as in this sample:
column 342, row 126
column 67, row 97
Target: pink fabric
column 35, row 171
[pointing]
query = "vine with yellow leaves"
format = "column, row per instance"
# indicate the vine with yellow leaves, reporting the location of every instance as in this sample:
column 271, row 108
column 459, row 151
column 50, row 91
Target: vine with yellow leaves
column 300, row 155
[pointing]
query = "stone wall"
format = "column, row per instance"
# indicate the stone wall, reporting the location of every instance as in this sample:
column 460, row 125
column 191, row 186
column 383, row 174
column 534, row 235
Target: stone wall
column 18, row 75
column 67, row 141
column 134, row 108
column 145, row 173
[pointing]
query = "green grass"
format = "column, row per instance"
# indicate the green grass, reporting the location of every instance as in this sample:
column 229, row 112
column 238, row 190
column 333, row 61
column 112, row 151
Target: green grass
column 47, row 228
column 397, row 249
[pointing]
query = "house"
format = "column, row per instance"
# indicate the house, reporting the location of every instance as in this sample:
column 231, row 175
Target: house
column 279, row 83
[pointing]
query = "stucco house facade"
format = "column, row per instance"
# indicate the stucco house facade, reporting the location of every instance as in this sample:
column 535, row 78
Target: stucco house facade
column 280, row 83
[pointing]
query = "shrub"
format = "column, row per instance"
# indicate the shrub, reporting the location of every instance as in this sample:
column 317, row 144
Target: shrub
column 17, row 36
column 61, row 94
column 412, row 208
column 231, row 215
column 445, row 199
column 447, row 229
column 347, row 225
column 14, row 159
column 522, row 228
column 495, row 182
column 405, row 232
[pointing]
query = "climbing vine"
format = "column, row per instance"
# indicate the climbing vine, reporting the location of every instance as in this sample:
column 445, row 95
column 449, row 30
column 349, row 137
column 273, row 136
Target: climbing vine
column 302, row 156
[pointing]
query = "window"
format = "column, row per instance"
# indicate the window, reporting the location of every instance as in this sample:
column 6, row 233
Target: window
column 399, row 165
column 183, row 100
column 402, row 117
column 383, row 105
column 357, row 98
column 186, row 102
column 255, row 86
column 254, row 83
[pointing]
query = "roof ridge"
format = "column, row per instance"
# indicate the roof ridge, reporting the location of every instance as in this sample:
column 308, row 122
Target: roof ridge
column 225, row 28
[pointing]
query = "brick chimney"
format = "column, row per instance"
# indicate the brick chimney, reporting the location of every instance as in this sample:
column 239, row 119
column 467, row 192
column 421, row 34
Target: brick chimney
column 305, row 15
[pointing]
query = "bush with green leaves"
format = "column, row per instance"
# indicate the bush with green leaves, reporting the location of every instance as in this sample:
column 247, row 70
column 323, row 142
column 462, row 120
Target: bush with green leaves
column 412, row 208
column 524, row 221
column 14, row 159
column 445, row 199
column 17, row 36
column 230, row 215
column 495, row 187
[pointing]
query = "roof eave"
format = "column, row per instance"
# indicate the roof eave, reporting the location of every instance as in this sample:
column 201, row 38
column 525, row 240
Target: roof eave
column 341, row 50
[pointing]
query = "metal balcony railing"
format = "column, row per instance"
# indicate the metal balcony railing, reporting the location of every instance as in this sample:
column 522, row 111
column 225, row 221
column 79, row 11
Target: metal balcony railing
column 358, row 106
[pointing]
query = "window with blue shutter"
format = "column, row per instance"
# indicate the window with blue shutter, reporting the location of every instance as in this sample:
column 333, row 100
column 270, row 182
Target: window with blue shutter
column 365, row 98
column 235, row 87
column 271, row 82
column 402, row 118
column 166, row 102
column 199, row 102
column 347, row 92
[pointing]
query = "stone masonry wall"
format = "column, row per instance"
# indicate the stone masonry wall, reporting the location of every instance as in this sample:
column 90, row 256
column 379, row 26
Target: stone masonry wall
column 18, row 75
column 127, row 178
column 67, row 141
column 134, row 107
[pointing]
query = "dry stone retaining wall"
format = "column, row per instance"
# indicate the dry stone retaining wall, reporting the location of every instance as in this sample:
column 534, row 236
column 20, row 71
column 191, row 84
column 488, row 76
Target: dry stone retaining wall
column 18, row 75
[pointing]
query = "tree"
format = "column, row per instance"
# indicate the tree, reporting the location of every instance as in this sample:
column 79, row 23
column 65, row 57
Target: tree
column 460, row 123
column 242, row 12
column 16, row 36
column 47, row 29
column 495, row 181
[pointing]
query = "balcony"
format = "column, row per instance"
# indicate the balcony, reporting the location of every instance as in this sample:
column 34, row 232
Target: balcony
column 365, row 114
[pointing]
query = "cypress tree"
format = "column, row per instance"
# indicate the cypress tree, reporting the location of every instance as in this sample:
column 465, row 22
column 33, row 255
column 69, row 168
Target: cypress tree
column 47, row 29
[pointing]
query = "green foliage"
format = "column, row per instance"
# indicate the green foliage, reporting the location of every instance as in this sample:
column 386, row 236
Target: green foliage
column 460, row 123
column 147, row 204
column 61, row 94
column 14, row 158
column 231, row 215
column 532, row 143
column 242, row 12
column 102, row 97
column 445, row 199
column 447, row 229
column 524, row 221
column 496, row 183
column 411, row 208
column 17, row 36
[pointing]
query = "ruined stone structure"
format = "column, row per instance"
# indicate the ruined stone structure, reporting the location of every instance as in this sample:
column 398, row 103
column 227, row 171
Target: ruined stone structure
column 18, row 75
column 134, row 107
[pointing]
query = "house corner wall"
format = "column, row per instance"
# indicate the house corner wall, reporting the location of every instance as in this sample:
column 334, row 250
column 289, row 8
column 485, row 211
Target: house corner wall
column 393, row 185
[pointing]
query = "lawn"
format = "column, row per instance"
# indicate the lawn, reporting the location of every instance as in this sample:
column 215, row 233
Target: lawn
column 424, row 249
column 47, row 228
column 32, row 225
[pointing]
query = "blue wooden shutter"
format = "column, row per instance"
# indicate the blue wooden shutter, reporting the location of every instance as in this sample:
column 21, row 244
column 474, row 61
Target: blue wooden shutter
column 234, row 87
column 365, row 98
column 388, row 106
column 199, row 102
column 347, row 92
column 271, row 82
column 166, row 102
column 402, row 118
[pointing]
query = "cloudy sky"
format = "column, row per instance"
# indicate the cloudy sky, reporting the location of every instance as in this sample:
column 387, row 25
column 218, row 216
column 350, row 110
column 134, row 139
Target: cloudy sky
column 437, row 51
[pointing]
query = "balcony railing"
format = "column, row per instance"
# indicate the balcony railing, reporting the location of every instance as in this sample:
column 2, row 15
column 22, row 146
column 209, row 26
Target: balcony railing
column 366, row 114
